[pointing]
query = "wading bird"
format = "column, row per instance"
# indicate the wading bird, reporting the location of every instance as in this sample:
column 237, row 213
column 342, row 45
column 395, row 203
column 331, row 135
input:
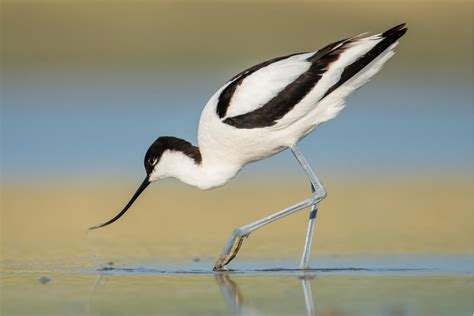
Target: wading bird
column 262, row 111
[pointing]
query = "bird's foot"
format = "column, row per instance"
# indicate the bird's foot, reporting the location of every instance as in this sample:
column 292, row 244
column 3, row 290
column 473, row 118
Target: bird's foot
column 230, row 251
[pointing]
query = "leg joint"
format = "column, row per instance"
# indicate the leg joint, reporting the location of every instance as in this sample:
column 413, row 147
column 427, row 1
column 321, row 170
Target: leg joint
column 318, row 196
column 238, row 232
column 322, row 193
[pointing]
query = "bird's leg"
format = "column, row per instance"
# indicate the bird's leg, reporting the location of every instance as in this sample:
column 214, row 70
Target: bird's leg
column 236, row 239
column 317, row 190
column 304, row 263
column 230, row 249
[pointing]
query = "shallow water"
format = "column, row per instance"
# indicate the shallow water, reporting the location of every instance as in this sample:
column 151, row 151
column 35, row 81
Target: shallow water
column 338, row 285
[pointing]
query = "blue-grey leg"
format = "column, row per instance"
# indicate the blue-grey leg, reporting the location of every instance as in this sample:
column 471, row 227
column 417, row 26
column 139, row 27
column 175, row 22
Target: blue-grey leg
column 236, row 239
column 304, row 263
column 319, row 192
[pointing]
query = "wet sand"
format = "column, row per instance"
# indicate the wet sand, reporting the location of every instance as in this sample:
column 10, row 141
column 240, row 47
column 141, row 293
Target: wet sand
column 172, row 220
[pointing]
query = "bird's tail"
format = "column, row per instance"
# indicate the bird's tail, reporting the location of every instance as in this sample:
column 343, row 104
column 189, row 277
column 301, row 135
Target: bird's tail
column 361, row 59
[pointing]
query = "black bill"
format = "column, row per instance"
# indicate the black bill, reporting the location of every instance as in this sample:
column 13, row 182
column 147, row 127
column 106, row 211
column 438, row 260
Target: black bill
column 142, row 187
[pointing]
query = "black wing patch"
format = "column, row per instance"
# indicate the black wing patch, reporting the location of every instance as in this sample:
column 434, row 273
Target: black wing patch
column 285, row 100
column 389, row 37
column 226, row 94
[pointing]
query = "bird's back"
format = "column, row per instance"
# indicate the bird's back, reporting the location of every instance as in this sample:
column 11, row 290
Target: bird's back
column 272, row 105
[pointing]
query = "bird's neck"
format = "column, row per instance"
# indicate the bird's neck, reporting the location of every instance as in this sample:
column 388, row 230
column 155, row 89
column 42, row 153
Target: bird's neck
column 191, row 166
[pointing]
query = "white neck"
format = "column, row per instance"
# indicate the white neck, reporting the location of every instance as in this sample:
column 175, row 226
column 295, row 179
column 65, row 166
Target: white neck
column 204, row 175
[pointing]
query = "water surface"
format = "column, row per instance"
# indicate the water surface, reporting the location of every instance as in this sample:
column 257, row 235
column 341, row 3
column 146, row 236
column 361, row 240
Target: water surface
column 337, row 285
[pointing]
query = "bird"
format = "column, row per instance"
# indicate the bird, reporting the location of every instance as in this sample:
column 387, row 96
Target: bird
column 262, row 111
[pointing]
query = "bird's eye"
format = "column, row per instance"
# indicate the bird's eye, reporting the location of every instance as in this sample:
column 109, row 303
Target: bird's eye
column 152, row 161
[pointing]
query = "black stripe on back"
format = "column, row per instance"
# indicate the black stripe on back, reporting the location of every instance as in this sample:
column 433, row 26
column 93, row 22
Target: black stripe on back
column 390, row 37
column 226, row 94
column 285, row 100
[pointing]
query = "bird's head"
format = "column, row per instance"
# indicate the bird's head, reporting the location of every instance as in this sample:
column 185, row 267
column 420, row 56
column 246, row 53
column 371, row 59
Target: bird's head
column 159, row 159
column 153, row 167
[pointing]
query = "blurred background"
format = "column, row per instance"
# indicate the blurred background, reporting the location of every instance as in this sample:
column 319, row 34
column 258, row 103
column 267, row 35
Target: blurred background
column 87, row 86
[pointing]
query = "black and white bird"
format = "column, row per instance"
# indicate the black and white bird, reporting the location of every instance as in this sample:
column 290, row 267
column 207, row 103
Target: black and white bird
column 262, row 111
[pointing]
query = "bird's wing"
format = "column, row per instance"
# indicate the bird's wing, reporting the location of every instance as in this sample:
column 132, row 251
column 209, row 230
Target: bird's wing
column 254, row 87
column 283, row 90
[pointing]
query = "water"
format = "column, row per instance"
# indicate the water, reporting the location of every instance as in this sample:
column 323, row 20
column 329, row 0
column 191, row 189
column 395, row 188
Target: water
column 338, row 285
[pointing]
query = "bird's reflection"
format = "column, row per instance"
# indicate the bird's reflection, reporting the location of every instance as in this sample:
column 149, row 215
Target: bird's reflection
column 308, row 294
column 231, row 293
column 235, row 301
column 230, row 290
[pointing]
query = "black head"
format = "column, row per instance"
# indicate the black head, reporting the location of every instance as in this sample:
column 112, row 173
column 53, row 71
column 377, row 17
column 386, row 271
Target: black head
column 154, row 153
column 156, row 150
